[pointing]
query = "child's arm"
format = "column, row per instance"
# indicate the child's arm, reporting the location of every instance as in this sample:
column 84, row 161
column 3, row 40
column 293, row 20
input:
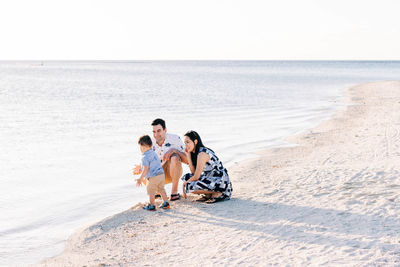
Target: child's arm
column 137, row 169
column 143, row 176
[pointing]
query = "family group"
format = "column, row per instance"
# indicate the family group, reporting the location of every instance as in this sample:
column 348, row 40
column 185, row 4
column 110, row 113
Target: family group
column 162, row 159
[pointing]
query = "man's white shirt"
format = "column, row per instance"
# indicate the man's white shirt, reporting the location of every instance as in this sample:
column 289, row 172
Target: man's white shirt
column 171, row 141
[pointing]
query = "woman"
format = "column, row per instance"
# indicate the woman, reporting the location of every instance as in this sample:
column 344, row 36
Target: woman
column 208, row 176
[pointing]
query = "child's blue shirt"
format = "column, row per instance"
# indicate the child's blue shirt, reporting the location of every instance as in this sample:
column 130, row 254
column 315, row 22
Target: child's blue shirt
column 150, row 158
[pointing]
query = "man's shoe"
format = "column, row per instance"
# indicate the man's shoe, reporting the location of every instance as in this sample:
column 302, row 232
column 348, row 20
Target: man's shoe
column 175, row 197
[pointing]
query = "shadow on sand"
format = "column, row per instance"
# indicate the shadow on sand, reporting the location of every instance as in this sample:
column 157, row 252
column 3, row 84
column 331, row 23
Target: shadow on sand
column 292, row 223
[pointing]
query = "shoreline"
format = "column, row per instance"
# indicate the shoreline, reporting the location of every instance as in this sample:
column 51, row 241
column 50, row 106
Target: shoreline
column 280, row 200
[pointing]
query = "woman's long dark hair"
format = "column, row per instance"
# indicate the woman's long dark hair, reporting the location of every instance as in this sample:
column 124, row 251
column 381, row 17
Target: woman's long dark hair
column 195, row 136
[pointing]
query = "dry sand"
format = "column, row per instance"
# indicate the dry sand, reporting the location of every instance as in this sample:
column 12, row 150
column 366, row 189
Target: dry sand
column 332, row 200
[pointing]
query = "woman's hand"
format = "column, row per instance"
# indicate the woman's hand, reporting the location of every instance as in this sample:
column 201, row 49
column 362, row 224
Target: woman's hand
column 138, row 182
column 187, row 152
column 188, row 156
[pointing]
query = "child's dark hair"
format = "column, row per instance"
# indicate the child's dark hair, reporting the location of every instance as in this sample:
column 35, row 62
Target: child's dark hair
column 195, row 136
column 145, row 140
column 157, row 122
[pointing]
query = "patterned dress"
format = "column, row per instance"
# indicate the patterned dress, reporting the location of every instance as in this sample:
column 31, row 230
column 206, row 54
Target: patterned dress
column 213, row 178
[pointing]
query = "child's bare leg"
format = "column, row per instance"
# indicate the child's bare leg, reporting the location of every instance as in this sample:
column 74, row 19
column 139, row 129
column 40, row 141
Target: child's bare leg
column 161, row 189
column 151, row 190
column 152, row 199
column 164, row 196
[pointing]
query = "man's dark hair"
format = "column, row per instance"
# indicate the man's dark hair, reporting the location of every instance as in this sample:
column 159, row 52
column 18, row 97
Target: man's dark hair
column 145, row 140
column 157, row 122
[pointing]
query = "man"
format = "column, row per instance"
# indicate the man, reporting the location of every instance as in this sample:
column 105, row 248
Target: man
column 170, row 150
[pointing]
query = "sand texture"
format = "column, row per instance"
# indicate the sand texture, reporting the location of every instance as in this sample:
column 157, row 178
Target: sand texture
column 332, row 200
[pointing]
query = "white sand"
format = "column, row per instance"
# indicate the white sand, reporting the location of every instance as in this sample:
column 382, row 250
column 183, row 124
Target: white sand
column 332, row 200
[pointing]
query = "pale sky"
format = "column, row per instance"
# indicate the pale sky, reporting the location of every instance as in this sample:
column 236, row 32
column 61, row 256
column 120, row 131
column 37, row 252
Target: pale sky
column 204, row 29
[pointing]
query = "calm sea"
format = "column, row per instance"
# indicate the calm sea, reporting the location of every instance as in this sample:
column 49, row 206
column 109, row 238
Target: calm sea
column 69, row 130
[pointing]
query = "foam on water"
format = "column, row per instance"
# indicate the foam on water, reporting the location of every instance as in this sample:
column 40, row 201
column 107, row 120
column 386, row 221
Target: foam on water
column 68, row 132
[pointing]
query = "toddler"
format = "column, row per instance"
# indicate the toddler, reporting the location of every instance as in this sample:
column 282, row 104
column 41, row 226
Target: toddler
column 153, row 172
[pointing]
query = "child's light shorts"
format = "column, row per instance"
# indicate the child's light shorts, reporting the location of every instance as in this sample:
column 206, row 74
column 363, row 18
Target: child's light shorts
column 155, row 185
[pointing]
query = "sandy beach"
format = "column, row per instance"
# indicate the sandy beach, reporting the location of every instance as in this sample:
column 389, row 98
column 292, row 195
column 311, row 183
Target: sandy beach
column 334, row 199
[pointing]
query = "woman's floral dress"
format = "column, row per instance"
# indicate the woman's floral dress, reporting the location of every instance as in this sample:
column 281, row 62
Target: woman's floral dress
column 213, row 178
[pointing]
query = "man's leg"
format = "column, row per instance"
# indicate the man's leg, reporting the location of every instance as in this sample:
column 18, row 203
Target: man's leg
column 175, row 172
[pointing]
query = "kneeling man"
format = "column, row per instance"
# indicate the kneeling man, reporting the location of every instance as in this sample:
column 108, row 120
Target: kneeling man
column 170, row 150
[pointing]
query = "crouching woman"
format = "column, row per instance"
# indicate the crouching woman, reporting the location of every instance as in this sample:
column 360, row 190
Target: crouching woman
column 207, row 174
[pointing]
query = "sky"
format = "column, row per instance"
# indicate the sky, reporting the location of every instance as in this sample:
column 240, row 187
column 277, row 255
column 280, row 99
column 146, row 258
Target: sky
column 199, row 30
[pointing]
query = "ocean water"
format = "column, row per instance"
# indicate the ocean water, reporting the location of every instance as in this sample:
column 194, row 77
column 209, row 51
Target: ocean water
column 69, row 130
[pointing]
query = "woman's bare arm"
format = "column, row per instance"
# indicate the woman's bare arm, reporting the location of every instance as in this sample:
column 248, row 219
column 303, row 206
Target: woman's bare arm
column 202, row 159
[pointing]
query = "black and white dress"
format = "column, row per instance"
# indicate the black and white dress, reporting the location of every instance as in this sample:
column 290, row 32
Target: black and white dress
column 213, row 178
